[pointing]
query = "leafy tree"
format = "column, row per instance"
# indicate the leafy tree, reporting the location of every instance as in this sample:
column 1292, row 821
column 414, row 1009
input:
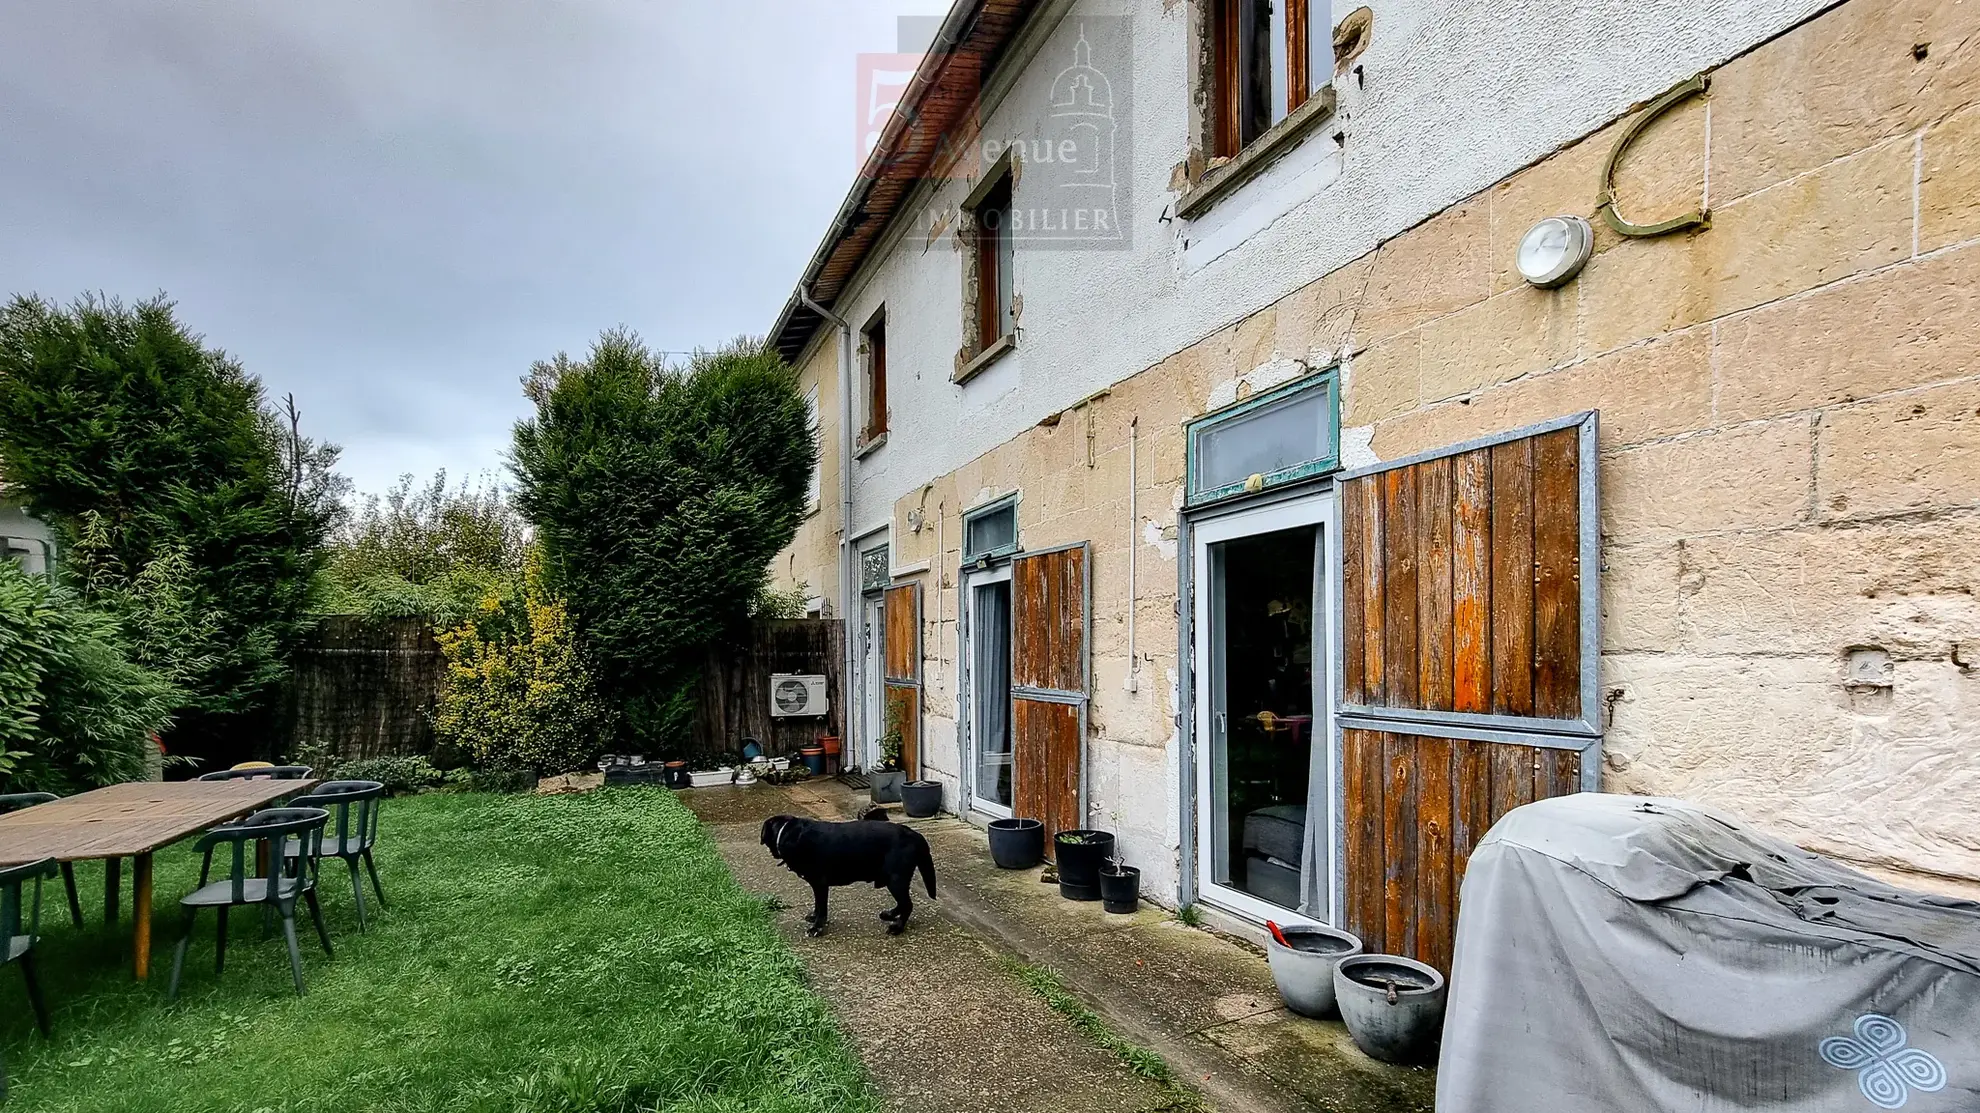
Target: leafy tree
column 76, row 709
column 143, row 445
column 518, row 691
column 659, row 495
column 428, row 552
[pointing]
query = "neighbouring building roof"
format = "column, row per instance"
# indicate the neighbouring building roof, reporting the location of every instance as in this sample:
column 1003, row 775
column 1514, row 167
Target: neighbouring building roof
column 945, row 88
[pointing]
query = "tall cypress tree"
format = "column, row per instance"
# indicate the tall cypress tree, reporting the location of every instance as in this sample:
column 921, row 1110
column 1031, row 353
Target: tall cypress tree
column 659, row 495
column 149, row 450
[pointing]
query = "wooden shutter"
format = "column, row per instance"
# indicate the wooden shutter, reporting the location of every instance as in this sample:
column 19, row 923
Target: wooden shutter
column 900, row 667
column 1469, row 660
column 1049, row 687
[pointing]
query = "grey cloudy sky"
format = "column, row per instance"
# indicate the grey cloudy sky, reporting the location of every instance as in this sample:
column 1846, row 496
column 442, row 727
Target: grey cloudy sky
column 391, row 207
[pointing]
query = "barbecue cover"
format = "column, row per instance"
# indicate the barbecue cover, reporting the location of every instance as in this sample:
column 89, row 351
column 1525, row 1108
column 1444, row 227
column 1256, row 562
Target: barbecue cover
column 1641, row 954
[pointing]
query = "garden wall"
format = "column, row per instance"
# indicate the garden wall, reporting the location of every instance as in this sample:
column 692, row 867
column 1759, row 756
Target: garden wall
column 734, row 701
column 364, row 688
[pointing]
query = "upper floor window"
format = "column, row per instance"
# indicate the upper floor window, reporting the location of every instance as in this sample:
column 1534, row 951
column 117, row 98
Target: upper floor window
column 1289, row 433
column 1270, row 56
column 873, row 386
column 813, row 494
column 995, row 249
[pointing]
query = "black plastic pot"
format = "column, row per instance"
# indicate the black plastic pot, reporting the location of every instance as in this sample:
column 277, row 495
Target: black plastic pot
column 1120, row 890
column 1080, row 861
column 921, row 799
column 1017, row 844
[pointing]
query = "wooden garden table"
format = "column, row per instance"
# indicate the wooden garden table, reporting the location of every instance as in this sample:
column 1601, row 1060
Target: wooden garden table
column 131, row 821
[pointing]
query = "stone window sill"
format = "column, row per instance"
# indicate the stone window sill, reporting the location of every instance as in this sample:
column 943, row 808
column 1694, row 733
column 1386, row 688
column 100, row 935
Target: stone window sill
column 1221, row 181
column 1004, row 345
column 869, row 446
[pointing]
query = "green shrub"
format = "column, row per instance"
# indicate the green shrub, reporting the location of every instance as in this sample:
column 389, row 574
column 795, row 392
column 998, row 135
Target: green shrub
column 76, row 710
column 518, row 692
column 430, row 552
column 399, row 775
column 659, row 495
column 141, row 444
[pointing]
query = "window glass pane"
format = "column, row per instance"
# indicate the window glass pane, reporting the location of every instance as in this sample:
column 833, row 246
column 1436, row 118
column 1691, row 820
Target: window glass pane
column 1269, row 439
column 1319, row 44
column 1277, row 105
column 874, row 574
column 990, row 531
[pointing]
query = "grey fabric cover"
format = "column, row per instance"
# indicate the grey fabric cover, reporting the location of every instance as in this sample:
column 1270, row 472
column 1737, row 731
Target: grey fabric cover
column 1632, row 953
column 1278, row 832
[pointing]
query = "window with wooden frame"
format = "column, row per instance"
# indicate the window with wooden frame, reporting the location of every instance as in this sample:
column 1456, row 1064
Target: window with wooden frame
column 995, row 257
column 873, row 388
column 1269, row 57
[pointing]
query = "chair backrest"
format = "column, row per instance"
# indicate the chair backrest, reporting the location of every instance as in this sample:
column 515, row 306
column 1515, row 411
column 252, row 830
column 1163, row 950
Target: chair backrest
column 14, row 802
column 353, row 804
column 260, row 772
column 273, row 827
column 20, row 913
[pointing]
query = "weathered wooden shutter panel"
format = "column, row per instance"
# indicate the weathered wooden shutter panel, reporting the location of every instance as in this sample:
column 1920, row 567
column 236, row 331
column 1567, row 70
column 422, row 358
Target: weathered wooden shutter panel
column 1049, row 686
column 1468, row 664
column 901, row 669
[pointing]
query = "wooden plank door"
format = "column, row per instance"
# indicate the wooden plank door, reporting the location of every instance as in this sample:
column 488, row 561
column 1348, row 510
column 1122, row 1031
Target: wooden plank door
column 900, row 670
column 1049, row 687
column 1468, row 664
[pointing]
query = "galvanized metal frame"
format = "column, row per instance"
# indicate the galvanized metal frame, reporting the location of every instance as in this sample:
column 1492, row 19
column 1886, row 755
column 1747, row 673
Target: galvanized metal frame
column 1582, row 734
column 1081, row 699
column 1329, row 380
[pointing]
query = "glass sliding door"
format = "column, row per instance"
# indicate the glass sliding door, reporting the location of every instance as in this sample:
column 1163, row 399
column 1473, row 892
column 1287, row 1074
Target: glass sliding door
column 988, row 622
column 1263, row 741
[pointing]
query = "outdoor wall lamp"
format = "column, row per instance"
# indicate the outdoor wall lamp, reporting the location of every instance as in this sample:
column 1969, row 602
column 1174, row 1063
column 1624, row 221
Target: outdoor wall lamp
column 1554, row 250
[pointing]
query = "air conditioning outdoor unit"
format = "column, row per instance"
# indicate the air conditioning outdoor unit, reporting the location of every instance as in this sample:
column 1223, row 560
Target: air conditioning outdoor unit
column 796, row 695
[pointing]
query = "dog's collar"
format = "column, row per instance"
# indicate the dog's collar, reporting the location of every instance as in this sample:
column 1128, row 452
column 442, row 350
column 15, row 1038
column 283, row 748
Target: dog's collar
column 777, row 843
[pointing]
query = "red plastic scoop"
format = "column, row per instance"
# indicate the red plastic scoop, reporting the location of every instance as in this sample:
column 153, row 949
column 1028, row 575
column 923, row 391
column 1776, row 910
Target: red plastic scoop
column 1273, row 927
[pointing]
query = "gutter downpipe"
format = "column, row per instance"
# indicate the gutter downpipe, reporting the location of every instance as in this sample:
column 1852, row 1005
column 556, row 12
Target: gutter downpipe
column 849, row 603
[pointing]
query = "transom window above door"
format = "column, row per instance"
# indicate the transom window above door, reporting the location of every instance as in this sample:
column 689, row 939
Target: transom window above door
column 990, row 531
column 1282, row 435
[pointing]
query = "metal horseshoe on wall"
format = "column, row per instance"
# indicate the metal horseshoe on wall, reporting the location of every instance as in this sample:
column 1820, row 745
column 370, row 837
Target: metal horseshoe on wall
column 1699, row 219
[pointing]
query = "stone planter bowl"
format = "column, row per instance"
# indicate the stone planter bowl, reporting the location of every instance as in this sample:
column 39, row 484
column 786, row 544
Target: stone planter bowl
column 1304, row 972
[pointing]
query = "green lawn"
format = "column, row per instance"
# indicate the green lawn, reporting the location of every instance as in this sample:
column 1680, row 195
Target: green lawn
column 570, row 953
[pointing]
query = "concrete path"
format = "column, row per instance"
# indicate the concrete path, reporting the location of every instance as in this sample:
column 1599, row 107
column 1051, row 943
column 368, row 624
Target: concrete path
column 944, row 1025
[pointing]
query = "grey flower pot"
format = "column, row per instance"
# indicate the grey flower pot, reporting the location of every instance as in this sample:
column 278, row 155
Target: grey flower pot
column 1304, row 972
column 1393, row 1006
column 921, row 799
column 885, row 788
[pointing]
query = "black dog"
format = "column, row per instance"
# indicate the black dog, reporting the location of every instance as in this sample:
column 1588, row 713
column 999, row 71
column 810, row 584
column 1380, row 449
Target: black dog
column 867, row 849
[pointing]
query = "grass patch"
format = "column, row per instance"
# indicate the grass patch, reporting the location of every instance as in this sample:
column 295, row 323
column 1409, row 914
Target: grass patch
column 570, row 954
column 1143, row 1062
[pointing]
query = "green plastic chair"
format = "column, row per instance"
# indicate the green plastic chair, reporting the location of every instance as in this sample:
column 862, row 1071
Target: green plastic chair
column 14, row 802
column 293, row 879
column 353, row 806
column 20, row 927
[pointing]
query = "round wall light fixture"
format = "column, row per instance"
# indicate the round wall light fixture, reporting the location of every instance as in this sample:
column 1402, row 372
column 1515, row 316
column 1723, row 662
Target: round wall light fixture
column 1554, row 250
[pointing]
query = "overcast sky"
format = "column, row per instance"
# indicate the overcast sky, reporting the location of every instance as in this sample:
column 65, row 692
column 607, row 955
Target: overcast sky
column 391, row 207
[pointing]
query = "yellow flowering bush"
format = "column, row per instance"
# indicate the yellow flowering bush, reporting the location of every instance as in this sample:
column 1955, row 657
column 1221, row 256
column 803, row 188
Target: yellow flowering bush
column 518, row 691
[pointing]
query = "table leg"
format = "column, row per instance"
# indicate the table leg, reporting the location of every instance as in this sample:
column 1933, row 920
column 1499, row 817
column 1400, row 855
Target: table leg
column 113, row 885
column 141, row 915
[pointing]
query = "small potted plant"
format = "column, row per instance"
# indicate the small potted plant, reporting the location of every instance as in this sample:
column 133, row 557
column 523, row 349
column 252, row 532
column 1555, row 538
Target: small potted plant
column 1120, row 886
column 888, row 777
column 1080, row 854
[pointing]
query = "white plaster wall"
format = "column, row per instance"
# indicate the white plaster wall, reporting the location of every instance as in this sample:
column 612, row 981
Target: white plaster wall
column 1451, row 96
column 38, row 539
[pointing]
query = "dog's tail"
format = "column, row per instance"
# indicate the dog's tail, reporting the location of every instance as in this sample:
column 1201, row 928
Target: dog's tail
column 927, row 867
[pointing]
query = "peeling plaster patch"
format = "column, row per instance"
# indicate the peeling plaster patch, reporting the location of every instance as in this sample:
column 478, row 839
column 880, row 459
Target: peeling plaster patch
column 1263, row 377
column 1358, row 447
column 1162, row 537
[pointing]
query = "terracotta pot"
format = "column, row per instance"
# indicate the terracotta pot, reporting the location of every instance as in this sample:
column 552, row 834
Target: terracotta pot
column 830, row 744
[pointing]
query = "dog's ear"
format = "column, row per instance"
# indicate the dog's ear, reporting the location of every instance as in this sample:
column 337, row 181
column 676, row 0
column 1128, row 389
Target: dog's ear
column 770, row 829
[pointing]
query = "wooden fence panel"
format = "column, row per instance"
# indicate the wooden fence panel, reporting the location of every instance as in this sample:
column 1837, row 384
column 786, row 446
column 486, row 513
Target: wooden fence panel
column 363, row 688
column 734, row 698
